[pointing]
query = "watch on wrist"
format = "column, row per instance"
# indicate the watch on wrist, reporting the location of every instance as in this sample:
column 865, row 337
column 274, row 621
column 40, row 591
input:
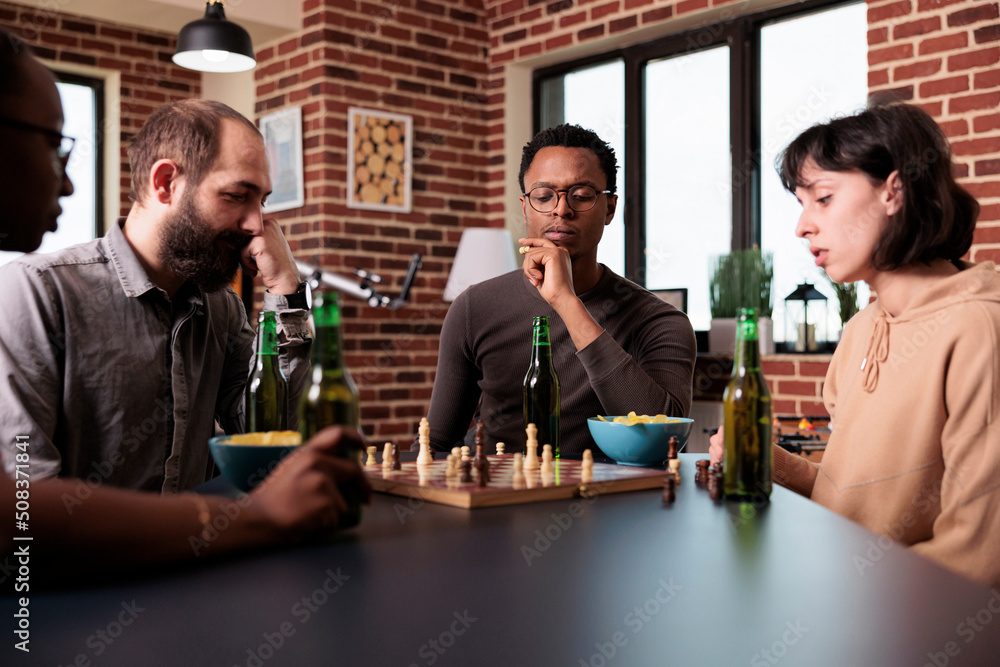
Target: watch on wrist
column 300, row 299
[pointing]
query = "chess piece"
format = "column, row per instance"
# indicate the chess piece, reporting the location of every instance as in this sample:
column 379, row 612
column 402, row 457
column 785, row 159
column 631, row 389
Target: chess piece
column 547, row 459
column 424, row 438
column 457, row 451
column 701, row 476
column 669, row 494
column 518, row 479
column 482, row 465
column 371, row 456
column 396, row 465
column 500, row 448
column 466, row 471
column 387, row 455
column 675, row 468
column 588, row 459
column 465, row 452
column 531, row 447
column 673, row 443
column 714, row 485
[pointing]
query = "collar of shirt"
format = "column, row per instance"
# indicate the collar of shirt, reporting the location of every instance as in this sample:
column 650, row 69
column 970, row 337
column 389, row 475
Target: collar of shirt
column 132, row 276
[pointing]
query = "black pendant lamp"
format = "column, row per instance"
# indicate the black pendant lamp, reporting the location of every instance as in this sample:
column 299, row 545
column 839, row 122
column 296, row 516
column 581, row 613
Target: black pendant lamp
column 213, row 44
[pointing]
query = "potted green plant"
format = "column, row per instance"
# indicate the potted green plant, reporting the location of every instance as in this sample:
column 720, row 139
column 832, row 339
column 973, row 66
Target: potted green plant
column 847, row 298
column 741, row 279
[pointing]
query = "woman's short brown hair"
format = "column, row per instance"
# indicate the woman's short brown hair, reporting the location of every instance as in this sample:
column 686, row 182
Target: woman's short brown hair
column 186, row 132
column 937, row 217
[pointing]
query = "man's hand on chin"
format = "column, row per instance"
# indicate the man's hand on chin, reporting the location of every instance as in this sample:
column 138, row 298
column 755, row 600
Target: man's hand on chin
column 269, row 255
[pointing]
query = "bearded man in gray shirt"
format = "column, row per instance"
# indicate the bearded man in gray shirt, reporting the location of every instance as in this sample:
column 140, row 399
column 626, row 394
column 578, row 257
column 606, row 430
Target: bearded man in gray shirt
column 118, row 355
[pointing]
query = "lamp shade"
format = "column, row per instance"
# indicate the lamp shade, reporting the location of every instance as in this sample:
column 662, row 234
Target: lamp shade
column 214, row 44
column 483, row 253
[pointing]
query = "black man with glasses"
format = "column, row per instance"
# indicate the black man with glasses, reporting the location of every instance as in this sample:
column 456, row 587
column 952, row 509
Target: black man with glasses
column 35, row 152
column 616, row 347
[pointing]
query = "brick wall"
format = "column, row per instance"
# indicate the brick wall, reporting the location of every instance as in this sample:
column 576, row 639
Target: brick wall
column 148, row 77
column 796, row 383
column 417, row 57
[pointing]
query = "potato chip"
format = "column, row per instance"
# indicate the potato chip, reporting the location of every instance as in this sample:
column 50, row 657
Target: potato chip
column 632, row 419
column 268, row 438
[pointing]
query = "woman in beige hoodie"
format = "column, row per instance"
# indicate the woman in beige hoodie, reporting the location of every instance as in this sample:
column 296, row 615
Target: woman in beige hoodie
column 914, row 386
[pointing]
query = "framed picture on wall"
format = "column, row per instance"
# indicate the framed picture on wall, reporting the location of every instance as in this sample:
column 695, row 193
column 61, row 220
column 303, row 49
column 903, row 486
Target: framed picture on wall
column 379, row 160
column 678, row 298
column 282, row 132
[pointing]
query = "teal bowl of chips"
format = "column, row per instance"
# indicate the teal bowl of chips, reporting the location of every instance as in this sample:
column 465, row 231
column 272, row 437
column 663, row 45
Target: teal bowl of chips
column 246, row 465
column 639, row 444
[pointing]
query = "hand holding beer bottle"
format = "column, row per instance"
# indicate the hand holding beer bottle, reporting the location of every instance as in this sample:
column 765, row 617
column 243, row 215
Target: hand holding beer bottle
column 331, row 397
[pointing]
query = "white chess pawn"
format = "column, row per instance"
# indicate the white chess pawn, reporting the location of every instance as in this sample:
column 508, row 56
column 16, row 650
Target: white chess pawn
column 588, row 460
column 371, row 456
column 547, row 459
column 387, row 455
column 500, row 448
column 465, row 453
column 531, row 447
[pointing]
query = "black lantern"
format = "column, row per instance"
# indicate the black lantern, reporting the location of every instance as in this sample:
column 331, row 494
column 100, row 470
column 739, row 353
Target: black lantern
column 805, row 320
column 214, row 44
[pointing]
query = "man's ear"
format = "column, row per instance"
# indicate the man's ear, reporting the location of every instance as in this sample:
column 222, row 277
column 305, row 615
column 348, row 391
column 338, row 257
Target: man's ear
column 165, row 180
column 612, row 207
column 892, row 193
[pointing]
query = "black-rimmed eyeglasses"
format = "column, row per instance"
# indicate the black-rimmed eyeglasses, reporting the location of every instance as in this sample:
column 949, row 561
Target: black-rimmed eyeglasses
column 62, row 143
column 580, row 198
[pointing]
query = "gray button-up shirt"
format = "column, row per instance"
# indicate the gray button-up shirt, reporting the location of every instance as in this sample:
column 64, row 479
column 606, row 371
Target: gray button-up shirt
column 108, row 380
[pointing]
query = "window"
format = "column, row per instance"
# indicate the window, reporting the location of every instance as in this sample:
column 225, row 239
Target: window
column 82, row 216
column 703, row 116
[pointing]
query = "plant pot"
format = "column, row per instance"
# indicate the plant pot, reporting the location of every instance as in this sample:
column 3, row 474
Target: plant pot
column 722, row 335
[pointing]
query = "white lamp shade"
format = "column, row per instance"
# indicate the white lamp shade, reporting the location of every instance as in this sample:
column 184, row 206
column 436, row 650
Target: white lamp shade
column 483, row 253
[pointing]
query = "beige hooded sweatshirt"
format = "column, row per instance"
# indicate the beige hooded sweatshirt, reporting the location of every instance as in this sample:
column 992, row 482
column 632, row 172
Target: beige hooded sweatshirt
column 915, row 449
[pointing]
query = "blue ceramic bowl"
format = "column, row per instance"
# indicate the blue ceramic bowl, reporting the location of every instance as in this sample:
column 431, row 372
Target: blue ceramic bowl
column 638, row 444
column 246, row 466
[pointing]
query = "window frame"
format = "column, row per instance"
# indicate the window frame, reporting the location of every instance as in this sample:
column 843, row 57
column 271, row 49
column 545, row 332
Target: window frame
column 97, row 86
column 742, row 35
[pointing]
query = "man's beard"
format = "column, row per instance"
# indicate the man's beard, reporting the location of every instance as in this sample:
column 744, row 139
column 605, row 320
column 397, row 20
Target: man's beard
column 191, row 250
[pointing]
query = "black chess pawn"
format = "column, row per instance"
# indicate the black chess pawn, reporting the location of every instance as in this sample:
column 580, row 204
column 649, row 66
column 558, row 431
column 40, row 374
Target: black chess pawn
column 482, row 465
column 669, row 494
column 466, row 472
column 396, row 465
column 673, row 443
column 715, row 485
column 701, row 474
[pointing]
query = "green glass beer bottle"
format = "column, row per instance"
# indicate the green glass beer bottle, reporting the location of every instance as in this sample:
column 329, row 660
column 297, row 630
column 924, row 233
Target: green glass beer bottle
column 746, row 406
column 267, row 390
column 541, row 389
column 330, row 396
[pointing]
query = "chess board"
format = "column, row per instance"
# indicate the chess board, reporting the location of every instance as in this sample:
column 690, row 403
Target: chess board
column 431, row 483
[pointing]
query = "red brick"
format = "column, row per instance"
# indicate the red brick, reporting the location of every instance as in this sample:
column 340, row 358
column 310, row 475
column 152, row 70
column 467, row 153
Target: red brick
column 878, row 78
column 895, row 52
column 920, row 27
column 590, row 33
column 658, row 14
column 878, row 36
column 784, row 407
column 626, row 23
column 983, row 146
column 986, row 123
column 815, row 369
column 955, row 84
column 812, row 408
column 773, row 368
column 542, row 28
column 572, row 19
column 986, row 234
column 974, row 14
column 686, row 6
column 983, row 190
column 958, row 105
column 795, row 388
column 990, row 79
column 529, row 50
column 989, row 212
column 955, row 128
column 916, row 70
column 990, row 33
column 986, row 255
column 889, row 11
column 632, row 4
column 600, row 11
column 972, row 59
column 928, row 5
column 944, row 43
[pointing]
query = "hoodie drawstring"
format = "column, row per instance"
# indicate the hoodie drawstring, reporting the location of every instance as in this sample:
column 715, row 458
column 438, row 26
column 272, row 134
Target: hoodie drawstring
column 878, row 352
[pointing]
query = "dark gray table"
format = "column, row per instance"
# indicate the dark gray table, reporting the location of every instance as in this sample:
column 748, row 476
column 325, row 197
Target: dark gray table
column 620, row 580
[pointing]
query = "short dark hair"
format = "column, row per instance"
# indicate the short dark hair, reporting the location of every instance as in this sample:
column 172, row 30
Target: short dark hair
column 937, row 217
column 186, row 132
column 13, row 50
column 571, row 136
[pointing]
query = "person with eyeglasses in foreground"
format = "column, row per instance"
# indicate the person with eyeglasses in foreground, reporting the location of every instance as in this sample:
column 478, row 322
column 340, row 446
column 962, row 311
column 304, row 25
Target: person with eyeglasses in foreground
column 913, row 389
column 616, row 347
column 106, row 528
